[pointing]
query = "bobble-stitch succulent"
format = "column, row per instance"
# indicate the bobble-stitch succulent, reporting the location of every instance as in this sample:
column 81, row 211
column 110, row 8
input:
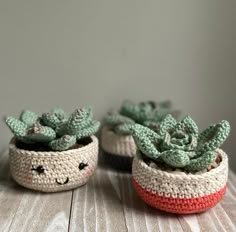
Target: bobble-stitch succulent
column 147, row 113
column 179, row 145
column 53, row 129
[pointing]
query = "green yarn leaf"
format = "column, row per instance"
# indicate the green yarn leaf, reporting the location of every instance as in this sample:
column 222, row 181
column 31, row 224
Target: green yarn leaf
column 63, row 143
column 41, row 134
column 28, row 117
column 175, row 158
column 123, row 129
column 79, row 119
column 60, row 112
column 202, row 162
column 213, row 137
column 115, row 119
column 17, row 127
column 53, row 120
column 167, row 124
column 146, row 140
column 188, row 126
column 91, row 129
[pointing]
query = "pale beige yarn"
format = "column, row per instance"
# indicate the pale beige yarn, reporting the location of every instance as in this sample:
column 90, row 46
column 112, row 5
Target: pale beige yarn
column 180, row 184
column 58, row 167
column 113, row 143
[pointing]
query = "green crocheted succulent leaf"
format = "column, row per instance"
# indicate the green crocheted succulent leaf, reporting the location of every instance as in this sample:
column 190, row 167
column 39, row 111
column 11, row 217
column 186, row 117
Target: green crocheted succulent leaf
column 202, row 162
column 145, row 140
column 28, row 117
column 79, row 119
column 91, row 129
column 188, row 126
column 176, row 158
column 60, row 112
column 53, row 120
column 123, row 129
column 213, row 137
column 63, row 143
column 17, row 127
column 115, row 119
column 42, row 134
column 167, row 124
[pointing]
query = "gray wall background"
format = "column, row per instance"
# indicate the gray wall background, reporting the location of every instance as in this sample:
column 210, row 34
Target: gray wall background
column 99, row 52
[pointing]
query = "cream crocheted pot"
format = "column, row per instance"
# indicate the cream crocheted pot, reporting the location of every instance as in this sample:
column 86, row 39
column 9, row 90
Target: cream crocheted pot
column 178, row 192
column 53, row 171
column 120, row 149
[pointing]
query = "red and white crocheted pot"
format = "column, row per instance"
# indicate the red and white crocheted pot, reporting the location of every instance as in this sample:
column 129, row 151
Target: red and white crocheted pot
column 179, row 192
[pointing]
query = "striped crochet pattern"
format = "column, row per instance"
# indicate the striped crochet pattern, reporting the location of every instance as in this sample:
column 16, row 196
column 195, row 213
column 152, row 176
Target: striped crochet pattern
column 179, row 192
column 53, row 171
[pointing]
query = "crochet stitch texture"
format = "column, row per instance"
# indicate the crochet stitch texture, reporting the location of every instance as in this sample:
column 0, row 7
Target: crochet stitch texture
column 53, row 171
column 54, row 129
column 178, row 144
column 179, row 192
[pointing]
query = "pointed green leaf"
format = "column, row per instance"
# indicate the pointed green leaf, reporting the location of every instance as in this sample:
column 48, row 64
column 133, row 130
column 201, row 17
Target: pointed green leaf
column 17, row 127
column 176, row 158
column 145, row 139
column 201, row 162
column 63, row 143
column 188, row 125
column 115, row 118
column 168, row 123
column 213, row 137
column 28, row 117
column 41, row 134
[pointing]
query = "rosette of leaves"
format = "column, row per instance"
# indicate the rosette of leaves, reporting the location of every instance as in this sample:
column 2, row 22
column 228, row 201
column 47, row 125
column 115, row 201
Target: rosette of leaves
column 179, row 145
column 54, row 129
column 147, row 113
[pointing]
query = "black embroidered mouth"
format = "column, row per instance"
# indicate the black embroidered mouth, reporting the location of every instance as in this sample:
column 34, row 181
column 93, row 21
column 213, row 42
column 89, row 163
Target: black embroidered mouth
column 67, row 180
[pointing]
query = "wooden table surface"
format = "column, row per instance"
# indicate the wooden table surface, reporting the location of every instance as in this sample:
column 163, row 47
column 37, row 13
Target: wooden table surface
column 108, row 202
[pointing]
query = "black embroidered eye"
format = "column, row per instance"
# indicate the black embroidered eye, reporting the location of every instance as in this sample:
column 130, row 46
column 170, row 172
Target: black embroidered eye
column 40, row 169
column 82, row 166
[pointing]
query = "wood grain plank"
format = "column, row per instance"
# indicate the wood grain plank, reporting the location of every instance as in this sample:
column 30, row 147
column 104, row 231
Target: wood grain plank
column 97, row 206
column 31, row 210
column 141, row 217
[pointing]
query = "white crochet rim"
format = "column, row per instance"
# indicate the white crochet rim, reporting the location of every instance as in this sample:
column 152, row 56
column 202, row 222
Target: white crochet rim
column 113, row 143
column 20, row 159
column 180, row 184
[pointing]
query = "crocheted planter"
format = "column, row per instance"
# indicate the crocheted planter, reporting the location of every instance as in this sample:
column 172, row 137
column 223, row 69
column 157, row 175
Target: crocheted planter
column 178, row 192
column 53, row 171
column 120, row 149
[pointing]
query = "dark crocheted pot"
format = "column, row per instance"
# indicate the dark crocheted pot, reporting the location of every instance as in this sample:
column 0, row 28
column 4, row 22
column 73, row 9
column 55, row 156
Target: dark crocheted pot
column 179, row 192
column 119, row 149
column 119, row 162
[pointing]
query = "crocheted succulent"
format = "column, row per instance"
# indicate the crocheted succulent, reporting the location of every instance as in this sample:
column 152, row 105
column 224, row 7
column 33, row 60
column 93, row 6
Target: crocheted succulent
column 53, row 129
column 147, row 113
column 179, row 145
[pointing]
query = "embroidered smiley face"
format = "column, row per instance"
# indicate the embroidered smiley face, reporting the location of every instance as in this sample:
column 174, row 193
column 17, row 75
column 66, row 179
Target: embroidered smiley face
column 42, row 171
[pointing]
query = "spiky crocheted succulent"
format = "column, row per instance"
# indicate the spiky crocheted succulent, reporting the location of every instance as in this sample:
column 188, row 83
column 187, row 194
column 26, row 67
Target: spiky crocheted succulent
column 53, row 129
column 179, row 145
column 147, row 113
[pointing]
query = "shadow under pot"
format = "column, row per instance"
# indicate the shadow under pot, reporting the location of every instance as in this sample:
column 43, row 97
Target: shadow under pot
column 53, row 171
column 179, row 192
column 119, row 149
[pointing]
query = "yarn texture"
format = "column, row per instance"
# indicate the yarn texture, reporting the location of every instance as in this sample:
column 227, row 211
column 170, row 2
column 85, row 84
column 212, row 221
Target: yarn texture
column 179, row 192
column 54, row 130
column 179, row 145
column 53, row 171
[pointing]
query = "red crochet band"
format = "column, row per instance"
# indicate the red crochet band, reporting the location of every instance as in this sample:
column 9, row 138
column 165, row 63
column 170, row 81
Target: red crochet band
column 179, row 205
